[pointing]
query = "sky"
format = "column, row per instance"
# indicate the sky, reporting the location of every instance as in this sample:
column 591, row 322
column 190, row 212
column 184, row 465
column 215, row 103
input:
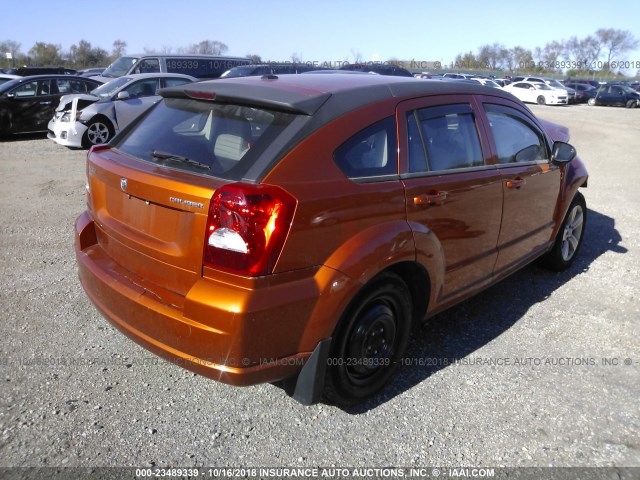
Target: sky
column 316, row 31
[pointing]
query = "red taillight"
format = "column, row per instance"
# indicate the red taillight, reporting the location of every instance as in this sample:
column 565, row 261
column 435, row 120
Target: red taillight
column 247, row 227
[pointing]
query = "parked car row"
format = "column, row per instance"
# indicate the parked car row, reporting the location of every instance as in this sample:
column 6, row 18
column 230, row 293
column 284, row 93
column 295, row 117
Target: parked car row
column 28, row 103
column 84, row 120
column 529, row 89
column 88, row 114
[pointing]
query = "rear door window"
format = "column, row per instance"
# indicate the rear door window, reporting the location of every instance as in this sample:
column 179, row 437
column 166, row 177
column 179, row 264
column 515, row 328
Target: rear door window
column 443, row 138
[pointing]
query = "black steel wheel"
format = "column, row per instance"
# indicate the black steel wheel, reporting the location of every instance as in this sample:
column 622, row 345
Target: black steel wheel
column 369, row 340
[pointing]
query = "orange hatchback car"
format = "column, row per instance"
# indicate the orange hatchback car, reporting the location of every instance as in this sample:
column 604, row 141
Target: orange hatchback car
column 296, row 228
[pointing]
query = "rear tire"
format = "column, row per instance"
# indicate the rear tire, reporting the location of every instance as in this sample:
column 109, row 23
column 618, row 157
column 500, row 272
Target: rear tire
column 631, row 104
column 369, row 341
column 591, row 102
column 569, row 237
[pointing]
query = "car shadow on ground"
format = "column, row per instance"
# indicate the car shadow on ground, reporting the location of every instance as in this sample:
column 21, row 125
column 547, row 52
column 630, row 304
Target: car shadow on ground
column 23, row 137
column 463, row 329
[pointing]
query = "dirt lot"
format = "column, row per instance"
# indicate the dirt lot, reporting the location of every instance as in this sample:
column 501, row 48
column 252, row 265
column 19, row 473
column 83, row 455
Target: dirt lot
column 546, row 367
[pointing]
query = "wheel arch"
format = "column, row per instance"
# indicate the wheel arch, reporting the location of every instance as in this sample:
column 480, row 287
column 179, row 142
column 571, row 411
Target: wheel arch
column 98, row 117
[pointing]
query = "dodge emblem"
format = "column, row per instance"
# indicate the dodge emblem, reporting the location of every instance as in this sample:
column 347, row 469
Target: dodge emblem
column 123, row 184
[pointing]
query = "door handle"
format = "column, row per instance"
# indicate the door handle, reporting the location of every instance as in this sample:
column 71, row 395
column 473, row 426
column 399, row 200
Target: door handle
column 430, row 199
column 45, row 103
column 515, row 183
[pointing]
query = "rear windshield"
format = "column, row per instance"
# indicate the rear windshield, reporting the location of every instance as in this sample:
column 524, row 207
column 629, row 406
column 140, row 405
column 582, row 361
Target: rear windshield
column 219, row 140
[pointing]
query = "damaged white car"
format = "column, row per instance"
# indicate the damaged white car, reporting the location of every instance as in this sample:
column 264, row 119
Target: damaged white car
column 83, row 120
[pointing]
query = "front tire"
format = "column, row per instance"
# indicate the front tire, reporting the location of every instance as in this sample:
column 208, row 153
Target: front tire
column 569, row 237
column 541, row 100
column 369, row 341
column 98, row 132
column 631, row 104
column 591, row 102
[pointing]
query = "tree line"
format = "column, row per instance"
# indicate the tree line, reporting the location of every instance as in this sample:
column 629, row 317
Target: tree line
column 84, row 55
column 603, row 52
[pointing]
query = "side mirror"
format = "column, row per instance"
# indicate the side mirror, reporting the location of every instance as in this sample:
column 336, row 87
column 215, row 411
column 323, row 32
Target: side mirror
column 562, row 153
column 124, row 95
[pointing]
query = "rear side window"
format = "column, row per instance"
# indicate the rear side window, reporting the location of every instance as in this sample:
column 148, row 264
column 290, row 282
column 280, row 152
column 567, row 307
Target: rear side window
column 220, row 140
column 370, row 152
column 516, row 140
column 443, row 138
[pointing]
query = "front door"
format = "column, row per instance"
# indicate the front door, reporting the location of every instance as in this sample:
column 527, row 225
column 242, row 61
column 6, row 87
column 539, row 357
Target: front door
column 531, row 185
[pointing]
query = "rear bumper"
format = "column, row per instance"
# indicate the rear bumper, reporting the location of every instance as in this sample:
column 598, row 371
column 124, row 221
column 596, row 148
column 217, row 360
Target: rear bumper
column 234, row 334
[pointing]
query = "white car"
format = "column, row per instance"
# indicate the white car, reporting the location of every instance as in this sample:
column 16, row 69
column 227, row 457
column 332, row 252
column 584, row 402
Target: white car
column 540, row 93
column 83, row 120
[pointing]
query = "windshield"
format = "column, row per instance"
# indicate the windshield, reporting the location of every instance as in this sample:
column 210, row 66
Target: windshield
column 556, row 84
column 221, row 140
column 120, row 67
column 109, row 88
column 628, row 89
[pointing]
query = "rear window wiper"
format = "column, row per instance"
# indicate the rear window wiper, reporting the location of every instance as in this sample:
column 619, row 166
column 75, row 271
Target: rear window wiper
column 179, row 159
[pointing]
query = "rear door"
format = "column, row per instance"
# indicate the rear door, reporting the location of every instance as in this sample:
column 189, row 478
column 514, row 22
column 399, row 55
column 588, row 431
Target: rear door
column 452, row 190
column 531, row 183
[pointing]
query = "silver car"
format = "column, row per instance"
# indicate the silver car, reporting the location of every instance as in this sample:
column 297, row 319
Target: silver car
column 83, row 120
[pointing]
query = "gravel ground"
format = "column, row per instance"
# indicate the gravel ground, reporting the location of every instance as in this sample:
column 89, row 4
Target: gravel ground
column 545, row 366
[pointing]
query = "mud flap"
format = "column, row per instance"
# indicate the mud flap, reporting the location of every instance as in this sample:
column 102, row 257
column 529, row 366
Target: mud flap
column 310, row 383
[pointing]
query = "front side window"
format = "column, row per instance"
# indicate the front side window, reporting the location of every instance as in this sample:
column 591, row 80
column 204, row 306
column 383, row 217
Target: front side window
column 148, row 65
column 516, row 140
column 31, row 89
column 443, row 138
column 143, row 88
column 27, row 89
column 370, row 152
